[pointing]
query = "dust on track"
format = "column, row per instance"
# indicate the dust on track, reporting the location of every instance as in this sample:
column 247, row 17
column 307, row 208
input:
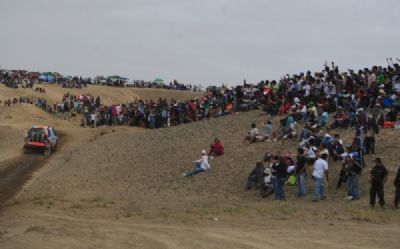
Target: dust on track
column 19, row 170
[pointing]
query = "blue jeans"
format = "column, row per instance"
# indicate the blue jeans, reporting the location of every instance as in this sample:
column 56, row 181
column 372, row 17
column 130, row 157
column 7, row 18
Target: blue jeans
column 152, row 122
column 355, row 186
column 280, row 193
column 301, row 184
column 318, row 189
column 197, row 169
column 349, row 185
column 274, row 182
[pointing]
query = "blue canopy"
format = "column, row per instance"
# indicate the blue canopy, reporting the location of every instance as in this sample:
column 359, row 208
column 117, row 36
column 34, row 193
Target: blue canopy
column 46, row 78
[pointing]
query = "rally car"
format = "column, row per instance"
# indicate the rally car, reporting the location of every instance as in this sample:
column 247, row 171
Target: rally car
column 43, row 138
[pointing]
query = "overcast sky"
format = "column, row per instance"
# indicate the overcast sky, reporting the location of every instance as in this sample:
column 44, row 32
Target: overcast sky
column 203, row 41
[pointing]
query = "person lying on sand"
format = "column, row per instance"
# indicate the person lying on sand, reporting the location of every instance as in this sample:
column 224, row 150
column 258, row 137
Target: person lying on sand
column 200, row 165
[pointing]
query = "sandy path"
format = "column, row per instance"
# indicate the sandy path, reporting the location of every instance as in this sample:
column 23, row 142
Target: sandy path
column 39, row 230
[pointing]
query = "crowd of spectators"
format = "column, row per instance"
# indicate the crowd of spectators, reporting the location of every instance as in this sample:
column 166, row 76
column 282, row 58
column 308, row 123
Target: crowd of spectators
column 301, row 98
column 26, row 79
column 363, row 101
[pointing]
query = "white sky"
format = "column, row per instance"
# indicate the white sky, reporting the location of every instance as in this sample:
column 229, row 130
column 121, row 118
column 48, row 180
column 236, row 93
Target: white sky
column 204, row 41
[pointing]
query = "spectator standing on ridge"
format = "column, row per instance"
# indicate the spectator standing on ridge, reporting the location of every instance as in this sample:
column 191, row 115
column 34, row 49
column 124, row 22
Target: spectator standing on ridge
column 378, row 178
column 281, row 177
column 371, row 129
column 301, row 172
column 274, row 166
column 320, row 173
column 354, row 170
column 359, row 146
column 343, row 173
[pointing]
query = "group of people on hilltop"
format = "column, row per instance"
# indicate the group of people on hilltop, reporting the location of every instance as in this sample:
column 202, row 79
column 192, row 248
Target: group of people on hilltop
column 26, row 79
column 173, row 85
column 305, row 97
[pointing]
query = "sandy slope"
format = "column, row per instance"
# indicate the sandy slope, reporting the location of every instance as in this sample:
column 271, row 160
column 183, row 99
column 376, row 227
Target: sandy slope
column 108, row 95
column 119, row 187
column 10, row 147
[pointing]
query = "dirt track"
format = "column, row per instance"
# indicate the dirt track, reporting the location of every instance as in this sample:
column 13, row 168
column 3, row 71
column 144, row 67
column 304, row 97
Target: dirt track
column 17, row 172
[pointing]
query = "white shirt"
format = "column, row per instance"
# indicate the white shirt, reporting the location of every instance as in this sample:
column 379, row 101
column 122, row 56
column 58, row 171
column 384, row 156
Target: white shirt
column 118, row 108
column 291, row 169
column 203, row 162
column 371, row 79
column 397, row 87
column 304, row 109
column 267, row 179
column 307, row 89
column 320, row 166
column 254, row 132
column 292, row 128
column 310, row 153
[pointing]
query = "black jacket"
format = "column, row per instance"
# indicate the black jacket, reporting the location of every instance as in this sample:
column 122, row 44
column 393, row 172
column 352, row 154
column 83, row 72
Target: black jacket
column 378, row 174
column 355, row 168
column 258, row 173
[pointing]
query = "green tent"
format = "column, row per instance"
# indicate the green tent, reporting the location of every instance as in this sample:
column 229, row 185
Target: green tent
column 115, row 77
column 158, row 81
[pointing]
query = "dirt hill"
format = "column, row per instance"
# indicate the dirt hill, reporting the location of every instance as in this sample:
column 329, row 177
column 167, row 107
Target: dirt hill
column 123, row 187
column 108, row 95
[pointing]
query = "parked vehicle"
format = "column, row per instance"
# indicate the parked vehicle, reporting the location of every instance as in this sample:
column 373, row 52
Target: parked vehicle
column 43, row 138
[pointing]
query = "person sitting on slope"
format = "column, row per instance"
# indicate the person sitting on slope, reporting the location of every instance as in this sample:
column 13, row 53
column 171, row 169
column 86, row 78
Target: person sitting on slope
column 253, row 134
column 200, row 165
column 256, row 176
column 216, row 149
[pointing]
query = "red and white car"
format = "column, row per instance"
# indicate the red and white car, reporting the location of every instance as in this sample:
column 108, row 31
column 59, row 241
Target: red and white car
column 42, row 138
